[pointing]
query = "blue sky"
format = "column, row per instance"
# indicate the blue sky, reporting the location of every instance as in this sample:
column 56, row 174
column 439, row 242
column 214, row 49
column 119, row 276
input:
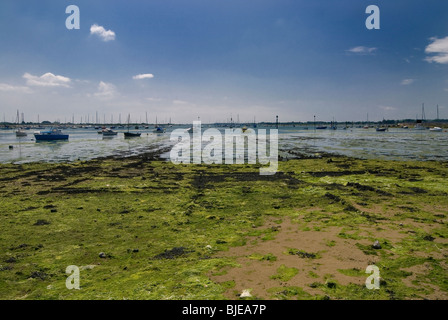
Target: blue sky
column 221, row 58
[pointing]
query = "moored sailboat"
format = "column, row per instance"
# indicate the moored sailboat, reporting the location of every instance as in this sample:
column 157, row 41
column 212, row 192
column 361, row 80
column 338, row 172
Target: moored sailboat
column 131, row 134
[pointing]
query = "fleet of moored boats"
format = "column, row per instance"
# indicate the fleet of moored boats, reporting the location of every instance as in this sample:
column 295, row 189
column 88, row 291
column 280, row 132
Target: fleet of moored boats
column 52, row 134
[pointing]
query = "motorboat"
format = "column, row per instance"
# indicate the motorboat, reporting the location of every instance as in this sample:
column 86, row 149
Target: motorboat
column 109, row 133
column 50, row 135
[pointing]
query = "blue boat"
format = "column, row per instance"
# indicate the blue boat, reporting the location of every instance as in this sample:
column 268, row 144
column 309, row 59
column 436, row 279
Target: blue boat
column 54, row 134
column 159, row 130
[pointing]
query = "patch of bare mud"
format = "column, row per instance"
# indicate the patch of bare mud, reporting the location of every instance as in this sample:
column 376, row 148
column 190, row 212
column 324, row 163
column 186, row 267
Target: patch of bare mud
column 331, row 254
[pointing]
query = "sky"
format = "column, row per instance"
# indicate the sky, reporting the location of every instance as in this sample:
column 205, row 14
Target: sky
column 222, row 59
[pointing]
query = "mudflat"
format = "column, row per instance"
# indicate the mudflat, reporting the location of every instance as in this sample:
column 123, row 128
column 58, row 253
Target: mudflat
column 143, row 228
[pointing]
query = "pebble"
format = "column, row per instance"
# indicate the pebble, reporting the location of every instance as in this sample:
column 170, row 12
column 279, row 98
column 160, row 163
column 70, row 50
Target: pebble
column 245, row 294
column 88, row 267
column 102, row 255
column 376, row 245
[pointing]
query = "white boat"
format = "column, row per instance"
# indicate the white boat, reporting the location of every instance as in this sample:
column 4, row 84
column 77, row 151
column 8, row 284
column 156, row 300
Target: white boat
column 418, row 126
column 419, row 123
column 21, row 133
column 436, row 129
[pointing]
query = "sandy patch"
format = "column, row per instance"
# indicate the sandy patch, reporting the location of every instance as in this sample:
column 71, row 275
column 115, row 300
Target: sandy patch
column 332, row 252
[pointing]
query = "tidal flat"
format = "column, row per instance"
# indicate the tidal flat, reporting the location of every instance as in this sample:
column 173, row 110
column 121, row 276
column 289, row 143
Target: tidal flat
column 197, row 232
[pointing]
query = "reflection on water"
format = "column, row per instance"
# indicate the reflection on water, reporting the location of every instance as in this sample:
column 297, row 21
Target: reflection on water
column 85, row 144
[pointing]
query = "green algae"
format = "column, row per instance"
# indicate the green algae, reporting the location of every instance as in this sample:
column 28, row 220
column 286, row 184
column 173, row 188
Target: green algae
column 285, row 273
column 56, row 215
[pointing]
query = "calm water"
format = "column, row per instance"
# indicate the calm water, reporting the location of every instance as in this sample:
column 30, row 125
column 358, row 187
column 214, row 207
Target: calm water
column 85, row 144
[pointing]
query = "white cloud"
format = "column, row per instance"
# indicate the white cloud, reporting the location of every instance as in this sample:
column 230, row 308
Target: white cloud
column 362, row 50
column 105, row 35
column 10, row 88
column 407, row 82
column 439, row 49
column 387, row 108
column 180, row 102
column 105, row 90
column 47, row 80
column 143, row 76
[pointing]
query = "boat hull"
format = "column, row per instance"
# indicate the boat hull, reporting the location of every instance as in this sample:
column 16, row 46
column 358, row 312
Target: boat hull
column 132, row 135
column 51, row 137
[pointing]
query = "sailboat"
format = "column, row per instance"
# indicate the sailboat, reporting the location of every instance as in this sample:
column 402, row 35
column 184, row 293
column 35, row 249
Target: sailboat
column 20, row 132
column 366, row 126
column 419, row 123
column 158, row 129
column 381, row 128
column 131, row 134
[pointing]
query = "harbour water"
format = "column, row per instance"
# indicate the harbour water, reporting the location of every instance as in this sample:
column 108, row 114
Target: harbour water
column 86, row 144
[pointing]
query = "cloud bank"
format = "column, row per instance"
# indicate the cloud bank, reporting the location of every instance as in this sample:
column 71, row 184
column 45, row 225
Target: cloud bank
column 10, row 88
column 47, row 80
